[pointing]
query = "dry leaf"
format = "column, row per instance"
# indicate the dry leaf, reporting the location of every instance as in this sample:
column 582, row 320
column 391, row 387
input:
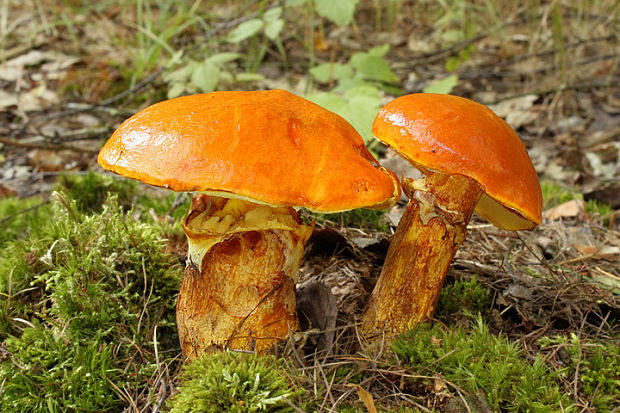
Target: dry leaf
column 586, row 249
column 439, row 386
column 568, row 209
column 518, row 111
column 320, row 44
column 7, row 100
column 57, row 63
column 436, row 341
column 366, row 398
column 598, row 251
column 518, row 291
column 54, row 160
column 6, row 192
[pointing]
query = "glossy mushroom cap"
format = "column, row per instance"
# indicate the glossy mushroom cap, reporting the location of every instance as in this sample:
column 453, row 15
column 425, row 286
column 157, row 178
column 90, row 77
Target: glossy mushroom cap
column 455, row 135
column 269, row 147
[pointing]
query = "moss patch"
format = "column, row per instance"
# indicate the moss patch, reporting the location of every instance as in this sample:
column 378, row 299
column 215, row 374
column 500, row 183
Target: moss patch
column 79, row 299
column 487, row 367
column 233, row 382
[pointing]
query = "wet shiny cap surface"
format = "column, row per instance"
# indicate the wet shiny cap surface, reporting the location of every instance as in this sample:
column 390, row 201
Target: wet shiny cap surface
column 268, row 146
column 455, row 135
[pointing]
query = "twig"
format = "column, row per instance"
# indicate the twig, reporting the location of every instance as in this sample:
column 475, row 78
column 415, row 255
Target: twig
column 138, row 86
column 328, row 390
column 20, row 49
column 30, row 145
column 516, row 59
column 80, row 135
column 540, row 92
column 178, row 201
column 456, row 47
column 160, row 403
column 290, row 403
column 163, row 382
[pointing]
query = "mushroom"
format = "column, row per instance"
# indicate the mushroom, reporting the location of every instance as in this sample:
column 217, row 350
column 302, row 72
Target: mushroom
column 472, row 160
column 254, row 158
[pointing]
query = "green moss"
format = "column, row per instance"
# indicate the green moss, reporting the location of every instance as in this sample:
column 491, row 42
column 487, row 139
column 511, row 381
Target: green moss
column 349, row 373
column 556, row 194
column 90, row 190
column 17, row 216
column 358, row 218
column 604, row 211
column 48, row 371
column 233, row 382
column 79, row 299
column 598, row 364
column 463, row 297
column 479, row 362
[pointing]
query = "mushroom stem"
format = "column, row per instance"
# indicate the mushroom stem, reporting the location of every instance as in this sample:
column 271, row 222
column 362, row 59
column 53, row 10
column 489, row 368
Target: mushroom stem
column 238, row 290
column 428, row 235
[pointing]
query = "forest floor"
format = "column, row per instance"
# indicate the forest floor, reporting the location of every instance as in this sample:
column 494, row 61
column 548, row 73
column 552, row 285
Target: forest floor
column 71, row 72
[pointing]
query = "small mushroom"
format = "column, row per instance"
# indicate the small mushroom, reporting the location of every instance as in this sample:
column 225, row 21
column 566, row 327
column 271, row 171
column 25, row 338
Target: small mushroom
column 472, row 160
column 254, row 158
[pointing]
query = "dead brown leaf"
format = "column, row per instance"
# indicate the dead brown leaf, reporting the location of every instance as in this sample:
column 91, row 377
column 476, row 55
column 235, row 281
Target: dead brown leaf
column 366, row 398
column 569, row 209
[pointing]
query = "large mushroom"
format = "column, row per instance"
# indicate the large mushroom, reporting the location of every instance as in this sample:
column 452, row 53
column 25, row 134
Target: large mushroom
column 472, row 160
column 254, row 158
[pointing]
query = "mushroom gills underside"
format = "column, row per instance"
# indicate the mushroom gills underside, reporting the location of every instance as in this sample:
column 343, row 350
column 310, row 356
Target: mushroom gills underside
column 238, row 290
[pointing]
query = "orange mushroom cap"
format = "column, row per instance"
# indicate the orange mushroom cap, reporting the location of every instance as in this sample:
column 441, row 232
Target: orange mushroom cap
column 271, row 147
column 455, row 135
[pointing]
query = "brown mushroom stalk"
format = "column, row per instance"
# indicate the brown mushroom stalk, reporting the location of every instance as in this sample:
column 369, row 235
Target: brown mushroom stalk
column 473, row 161
column 239, row 286
column 428, row 235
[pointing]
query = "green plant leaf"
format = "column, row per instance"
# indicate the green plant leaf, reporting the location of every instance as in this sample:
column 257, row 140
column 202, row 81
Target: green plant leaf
column 327, row 71
column 443, row 86
column 330, row 101
column 452, row 63
column 272, row 15
column 182, row 73
column 349, row 83
column 379, row 51
column 358, row 105
column 176, row 58
column 248, row 77
column 206, row 76
column 373, row 67
column 223, row 58
column 364, row 103
column 339, row 12
column 245, row 30
column 176, row 90
column 453, row 36
column 273, row 29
